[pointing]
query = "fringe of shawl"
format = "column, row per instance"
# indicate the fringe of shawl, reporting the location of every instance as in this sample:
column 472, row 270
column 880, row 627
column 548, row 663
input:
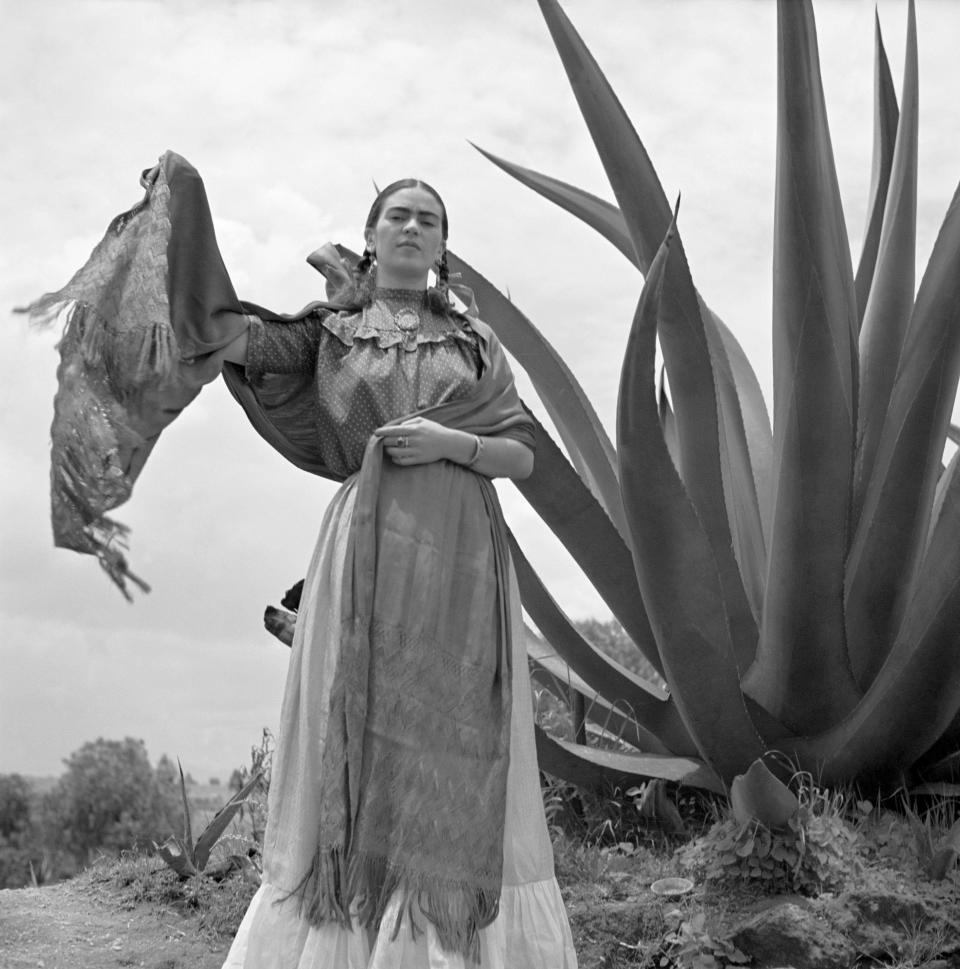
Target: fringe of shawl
column 357, row 891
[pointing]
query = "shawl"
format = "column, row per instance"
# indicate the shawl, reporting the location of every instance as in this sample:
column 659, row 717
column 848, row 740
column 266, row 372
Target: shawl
column 151, row 314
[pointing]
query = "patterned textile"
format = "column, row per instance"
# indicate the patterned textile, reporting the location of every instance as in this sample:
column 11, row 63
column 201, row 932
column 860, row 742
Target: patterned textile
column 134, row 353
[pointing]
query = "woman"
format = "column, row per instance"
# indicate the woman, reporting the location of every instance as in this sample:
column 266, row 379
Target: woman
column 406, row 829
column 439, row 851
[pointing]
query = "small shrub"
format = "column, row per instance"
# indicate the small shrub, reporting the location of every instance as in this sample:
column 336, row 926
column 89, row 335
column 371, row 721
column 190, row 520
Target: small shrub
column 814, row 850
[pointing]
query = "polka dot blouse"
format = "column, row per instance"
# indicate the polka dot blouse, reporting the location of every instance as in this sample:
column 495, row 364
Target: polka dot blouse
column 391, row 359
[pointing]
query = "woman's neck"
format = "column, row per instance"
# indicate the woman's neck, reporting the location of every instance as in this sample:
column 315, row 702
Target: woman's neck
column 395, row 280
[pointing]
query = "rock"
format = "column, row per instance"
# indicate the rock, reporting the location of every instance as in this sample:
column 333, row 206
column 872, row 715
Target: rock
column 878, row 922
column 788, row 934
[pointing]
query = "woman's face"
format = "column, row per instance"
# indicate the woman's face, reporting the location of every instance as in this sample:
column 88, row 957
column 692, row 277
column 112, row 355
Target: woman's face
column 407, row 238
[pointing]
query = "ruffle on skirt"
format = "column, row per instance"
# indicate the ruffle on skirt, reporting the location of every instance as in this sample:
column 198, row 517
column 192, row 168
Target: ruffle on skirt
column 531, row 930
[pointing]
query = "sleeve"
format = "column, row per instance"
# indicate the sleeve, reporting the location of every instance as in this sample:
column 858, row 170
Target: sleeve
column 283, row 347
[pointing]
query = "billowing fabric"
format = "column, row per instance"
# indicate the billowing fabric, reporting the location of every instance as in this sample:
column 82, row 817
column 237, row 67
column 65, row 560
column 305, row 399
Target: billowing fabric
column 145, row 332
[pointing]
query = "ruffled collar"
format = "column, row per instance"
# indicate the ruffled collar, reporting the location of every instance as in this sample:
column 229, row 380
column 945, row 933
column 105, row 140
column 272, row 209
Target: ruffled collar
column 398, row 317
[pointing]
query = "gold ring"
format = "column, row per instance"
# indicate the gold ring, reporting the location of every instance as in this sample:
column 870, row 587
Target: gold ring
column 401, row 442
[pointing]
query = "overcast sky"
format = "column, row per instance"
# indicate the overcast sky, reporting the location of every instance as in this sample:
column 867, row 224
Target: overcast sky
column 291, row 111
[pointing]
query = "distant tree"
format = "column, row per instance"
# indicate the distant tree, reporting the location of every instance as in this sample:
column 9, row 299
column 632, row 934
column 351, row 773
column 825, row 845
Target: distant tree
column 107, row 800
column 14, row 804
column 16, row 849
column 214, row 782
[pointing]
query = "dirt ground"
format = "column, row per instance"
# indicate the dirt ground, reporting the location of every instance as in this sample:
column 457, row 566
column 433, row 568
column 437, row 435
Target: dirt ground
column 101, row 921
column 87, row 923
column 79, row 925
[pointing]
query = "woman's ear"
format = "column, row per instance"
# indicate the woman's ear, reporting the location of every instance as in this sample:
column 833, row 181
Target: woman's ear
column 370, row 240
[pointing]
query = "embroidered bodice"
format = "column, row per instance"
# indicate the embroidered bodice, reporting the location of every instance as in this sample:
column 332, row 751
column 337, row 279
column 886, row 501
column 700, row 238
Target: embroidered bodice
column 391, row 359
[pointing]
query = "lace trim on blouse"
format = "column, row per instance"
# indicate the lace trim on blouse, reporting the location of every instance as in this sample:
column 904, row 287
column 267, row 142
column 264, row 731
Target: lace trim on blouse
column 376, row 322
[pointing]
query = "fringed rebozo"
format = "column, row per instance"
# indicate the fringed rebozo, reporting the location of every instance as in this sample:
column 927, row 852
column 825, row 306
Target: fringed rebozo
column 357, row 893
column 122, row 377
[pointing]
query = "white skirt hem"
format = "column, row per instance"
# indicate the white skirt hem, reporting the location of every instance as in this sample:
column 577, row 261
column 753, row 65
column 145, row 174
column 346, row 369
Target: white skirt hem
column 530, row 932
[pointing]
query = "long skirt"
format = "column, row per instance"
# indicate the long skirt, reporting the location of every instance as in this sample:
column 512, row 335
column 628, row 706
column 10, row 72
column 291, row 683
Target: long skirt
column 531, row 930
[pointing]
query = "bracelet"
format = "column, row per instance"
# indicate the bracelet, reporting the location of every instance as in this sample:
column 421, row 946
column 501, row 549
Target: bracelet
column 477, row 451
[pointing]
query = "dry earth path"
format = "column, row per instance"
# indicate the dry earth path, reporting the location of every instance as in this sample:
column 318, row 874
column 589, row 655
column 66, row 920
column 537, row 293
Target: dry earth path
column 78, row 925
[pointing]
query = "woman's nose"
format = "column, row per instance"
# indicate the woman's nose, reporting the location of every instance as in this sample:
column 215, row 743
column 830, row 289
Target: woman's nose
column 411, row 225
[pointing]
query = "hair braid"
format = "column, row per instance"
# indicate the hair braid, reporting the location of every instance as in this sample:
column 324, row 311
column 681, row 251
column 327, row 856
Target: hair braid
column 366, row 261
column 443, row 272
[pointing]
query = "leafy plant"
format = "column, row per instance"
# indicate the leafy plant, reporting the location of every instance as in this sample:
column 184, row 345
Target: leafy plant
column 811, row 848
column 188, row 858
column 690, row 945
column 796, row 585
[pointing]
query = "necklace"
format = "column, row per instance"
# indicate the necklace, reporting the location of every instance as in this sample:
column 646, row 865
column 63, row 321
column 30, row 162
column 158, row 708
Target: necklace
column 407, row 321
column 405, row 318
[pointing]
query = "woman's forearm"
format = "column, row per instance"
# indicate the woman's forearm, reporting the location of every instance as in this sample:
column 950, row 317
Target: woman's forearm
column 499, row 457
column 236, row 350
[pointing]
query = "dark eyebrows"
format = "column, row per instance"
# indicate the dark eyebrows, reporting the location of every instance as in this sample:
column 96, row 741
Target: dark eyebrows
column 406, row 210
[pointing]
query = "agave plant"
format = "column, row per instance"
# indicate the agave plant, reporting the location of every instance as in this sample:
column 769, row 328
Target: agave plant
column 188, row 858
column 798, row 587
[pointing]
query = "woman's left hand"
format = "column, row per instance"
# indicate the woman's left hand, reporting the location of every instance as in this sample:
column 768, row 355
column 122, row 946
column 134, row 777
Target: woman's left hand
column 416, row 441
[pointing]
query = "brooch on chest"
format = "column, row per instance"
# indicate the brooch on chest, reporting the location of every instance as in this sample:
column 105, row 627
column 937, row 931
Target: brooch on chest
column 407, row 321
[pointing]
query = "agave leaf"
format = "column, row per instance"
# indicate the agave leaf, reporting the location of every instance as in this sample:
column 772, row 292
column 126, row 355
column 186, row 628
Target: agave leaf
column 566, row 505
column 674, row 559
column 179, row 860
column 885, row 119
column 593, row 767
column 914, row 698
column 596, row 212
column 944, row 483
column 758, row 795
column 890, row 303
column 802, row 674
column 942, row 761
column 668, row 423
column 737, row 481
column 686, row 350
column 744, row 390
column 568, row 405
column 632, row 177
column 941, row 770
column 549, row 670
column 218, row 824
column 645, row 702
column 887, row 547
column 187, row 830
